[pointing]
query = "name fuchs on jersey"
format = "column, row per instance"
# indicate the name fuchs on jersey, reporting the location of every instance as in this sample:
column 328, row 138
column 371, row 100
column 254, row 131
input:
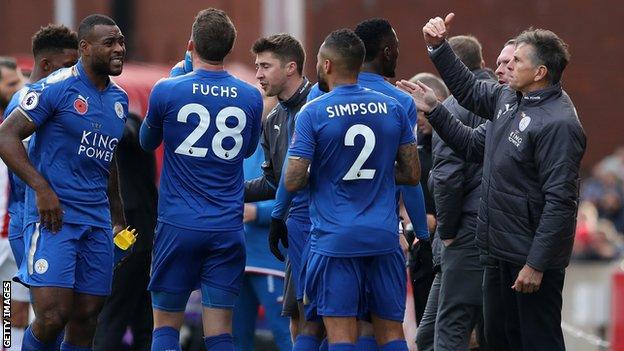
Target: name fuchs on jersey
column 215, row 90
column 354, row 109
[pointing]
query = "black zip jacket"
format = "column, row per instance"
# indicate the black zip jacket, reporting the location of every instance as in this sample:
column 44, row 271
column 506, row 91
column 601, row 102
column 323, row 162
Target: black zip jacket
column 532, row 155
column 456, row 183
column 277, row 130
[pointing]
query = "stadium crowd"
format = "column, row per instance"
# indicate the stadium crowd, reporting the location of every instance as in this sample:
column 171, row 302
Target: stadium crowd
column 302, row 201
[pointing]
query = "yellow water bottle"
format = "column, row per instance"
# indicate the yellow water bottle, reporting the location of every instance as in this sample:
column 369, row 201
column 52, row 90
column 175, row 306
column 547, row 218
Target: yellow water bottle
column 125, row 238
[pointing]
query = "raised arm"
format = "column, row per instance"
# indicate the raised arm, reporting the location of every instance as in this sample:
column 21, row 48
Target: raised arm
column 475, row 95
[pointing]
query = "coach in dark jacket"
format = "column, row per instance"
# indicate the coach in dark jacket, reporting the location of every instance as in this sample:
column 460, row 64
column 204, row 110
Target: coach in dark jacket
column 527, row 215
column 457, row 189
column 277, row 130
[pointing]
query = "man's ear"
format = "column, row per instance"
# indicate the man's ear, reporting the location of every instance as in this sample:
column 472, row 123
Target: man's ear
column 387, row 53
column 84, row 47
column 291, row 68
column 540, row 73
column 45, row 65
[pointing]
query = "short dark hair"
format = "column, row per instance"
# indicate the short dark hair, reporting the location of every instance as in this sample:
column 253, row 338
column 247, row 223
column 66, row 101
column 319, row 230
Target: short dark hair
column 348, row 47
column 91, row 21
column 468, row 49
column 284, row 46
column 213, row 34
column 8, row 63
column 548, row 50
column 53, row 38
column 372, row 32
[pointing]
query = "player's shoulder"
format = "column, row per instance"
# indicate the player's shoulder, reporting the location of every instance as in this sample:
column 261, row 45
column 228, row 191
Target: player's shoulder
column 245, row 87
column 117, row 90
column 402, row 97
column 59, row 77
column 316, row 103
column 380, row 96
column 15, row 100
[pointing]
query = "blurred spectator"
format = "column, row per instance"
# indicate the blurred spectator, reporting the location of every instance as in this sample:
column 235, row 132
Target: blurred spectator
column 605, row 189
column 614, row 163
column 596, row 239
column 11, row 80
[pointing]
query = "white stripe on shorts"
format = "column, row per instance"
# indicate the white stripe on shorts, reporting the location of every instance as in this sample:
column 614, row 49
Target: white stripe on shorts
column 33, row 249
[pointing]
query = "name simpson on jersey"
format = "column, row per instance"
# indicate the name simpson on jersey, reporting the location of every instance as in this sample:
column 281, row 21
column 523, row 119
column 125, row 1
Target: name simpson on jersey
column 356, row 109
column 215, row 90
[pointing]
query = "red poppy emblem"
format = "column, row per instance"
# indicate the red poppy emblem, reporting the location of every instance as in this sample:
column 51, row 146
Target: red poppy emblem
column 81, row 106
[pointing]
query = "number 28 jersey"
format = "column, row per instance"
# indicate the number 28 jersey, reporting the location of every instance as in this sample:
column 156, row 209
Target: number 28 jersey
column 210, row 122
column 352, row 136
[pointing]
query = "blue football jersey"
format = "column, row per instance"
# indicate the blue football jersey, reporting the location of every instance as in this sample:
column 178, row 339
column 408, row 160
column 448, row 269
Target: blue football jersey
column 78, row 129
column 413, row 197
column 377, row 83
column 210, row 122
column 352, row 136
column 18, row 187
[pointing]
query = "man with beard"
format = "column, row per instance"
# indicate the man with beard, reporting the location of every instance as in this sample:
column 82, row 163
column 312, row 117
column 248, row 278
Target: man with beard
column 73, row 205
column 279, row 70
column 358, row 267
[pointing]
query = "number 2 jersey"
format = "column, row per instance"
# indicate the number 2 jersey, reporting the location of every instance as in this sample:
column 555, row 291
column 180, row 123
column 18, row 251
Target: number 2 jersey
column 210, row 122
column 78, row 129
column 352, row 136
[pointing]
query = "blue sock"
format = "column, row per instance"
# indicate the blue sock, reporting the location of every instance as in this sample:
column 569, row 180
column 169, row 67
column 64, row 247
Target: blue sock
column 342, row 346
column 31, row 343
column 396, row 345
column 69, row 347
column 366, row 343
column 165, row 338
column 59, row 340
column 324, row 345
column 221, row 342
column 306, row 343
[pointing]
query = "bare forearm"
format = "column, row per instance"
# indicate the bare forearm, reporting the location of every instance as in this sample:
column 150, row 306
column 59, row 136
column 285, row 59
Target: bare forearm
column 114, row 195
column 407, row 167
column 296, row 174
column 14, row 155
column 405, row 176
